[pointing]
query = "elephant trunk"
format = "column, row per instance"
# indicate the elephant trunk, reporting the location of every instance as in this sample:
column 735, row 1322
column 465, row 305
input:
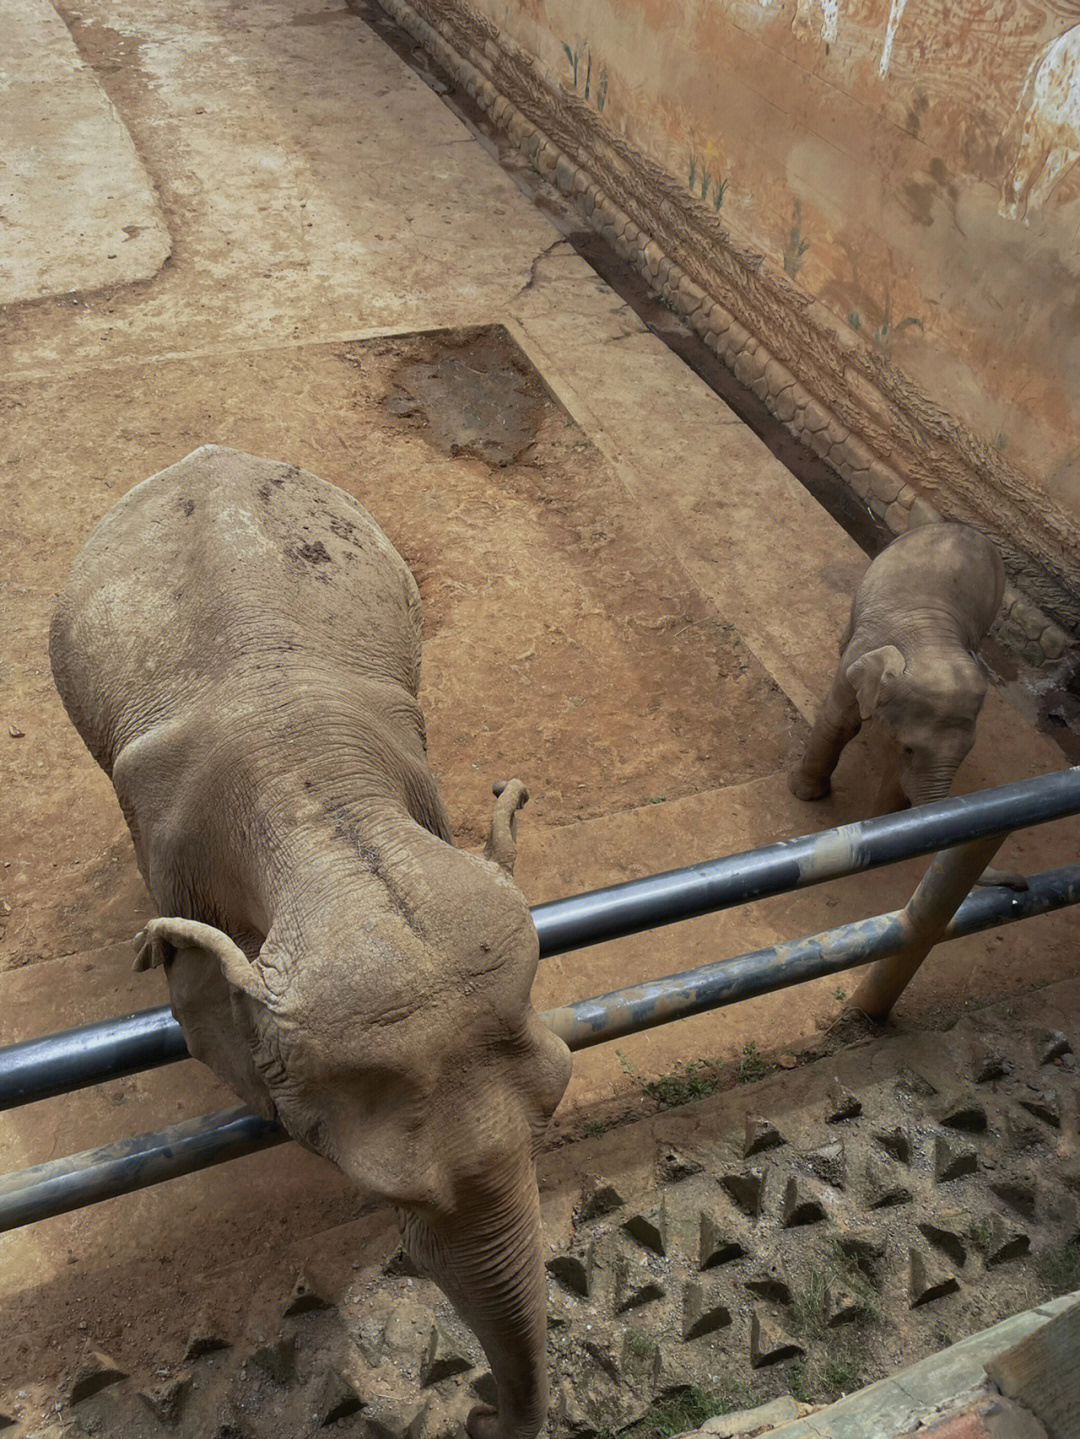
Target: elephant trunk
column 926, row 787
column 487, row 1259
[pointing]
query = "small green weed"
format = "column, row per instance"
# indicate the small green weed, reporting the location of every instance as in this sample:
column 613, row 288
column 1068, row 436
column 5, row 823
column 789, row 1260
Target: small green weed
column 841, row 1373
column 696, row 1081
column 640, row 1344
column 797, row 1382
column 979, row 1232
column 751, row 1064
column 811, row 1305
column 688, row 1410
column 840, row 993
column 1059, row 1267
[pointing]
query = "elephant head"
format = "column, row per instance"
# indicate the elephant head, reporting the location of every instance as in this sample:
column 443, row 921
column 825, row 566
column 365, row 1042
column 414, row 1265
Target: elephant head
column 929, row 707
column 386, row 1020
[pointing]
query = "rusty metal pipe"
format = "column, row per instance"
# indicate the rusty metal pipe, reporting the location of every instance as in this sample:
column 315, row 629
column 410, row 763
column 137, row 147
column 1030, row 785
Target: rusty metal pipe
column 58, row 1063
column 97, row 1174
column 939, row 894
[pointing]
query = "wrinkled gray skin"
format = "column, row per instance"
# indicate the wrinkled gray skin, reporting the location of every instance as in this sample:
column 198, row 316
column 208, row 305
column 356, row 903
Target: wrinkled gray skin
column 908, row 661
column 239, row 647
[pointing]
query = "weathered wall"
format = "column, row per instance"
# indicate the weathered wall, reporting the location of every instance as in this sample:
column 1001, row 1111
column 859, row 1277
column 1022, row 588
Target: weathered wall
column 911, row 163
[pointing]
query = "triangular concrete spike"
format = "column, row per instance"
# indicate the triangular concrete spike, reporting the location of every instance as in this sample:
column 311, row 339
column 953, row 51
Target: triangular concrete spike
column 703, row 1312
column 400, row 1263
column 634, row 1286
column 947, row 1233
column 443, row 1358
column 717, row 1245
column 747, row 1189
column 1006, row 1242
column 166, row 1400
column 603, row 1351
column 96, row 1371
column 1018, row 1192
column 953, row 1159
column 1050, row 1044
column 207, row 1336
column 305, row 1297
column 886, row 1184
column 845, row 1306
column 598, row 1199
column 829, row 1163
column 910, row 1083
column 801, row 1204
column 648, row 1230
column 337, row 1399
column 675, row 1166
column 841, row 1104
column 770, row 1342
column 965, row 1114
column 1043, row 1106
column 485, row 1388
column 761, row 1135
column 986, row 1063
column 927, row 1280
column 573, row 1271
column 865, row 1248
column 896, row 1142
column 770, row 1282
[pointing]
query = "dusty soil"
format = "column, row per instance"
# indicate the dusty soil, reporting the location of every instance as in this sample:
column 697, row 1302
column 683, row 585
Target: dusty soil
column 560, row 646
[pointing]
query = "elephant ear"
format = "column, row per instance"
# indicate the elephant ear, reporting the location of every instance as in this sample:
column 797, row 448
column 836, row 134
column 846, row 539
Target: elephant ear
column 163, row 939
column 871, row 676
column 511, row 795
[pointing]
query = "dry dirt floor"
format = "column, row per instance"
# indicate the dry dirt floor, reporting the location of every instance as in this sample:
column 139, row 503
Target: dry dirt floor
column 629, row 602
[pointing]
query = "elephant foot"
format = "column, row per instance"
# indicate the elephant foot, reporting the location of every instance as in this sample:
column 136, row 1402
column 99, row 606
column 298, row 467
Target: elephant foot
column 802, row 787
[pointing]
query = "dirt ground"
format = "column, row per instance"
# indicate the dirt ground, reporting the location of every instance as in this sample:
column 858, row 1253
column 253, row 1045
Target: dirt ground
column 628, row 602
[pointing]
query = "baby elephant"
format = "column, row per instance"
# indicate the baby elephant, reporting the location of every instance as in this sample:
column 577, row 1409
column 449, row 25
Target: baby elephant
column 908, row 661
column 239, row 647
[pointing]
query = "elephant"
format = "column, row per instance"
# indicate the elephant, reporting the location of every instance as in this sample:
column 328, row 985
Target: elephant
column 238, row 646
column 908, row 659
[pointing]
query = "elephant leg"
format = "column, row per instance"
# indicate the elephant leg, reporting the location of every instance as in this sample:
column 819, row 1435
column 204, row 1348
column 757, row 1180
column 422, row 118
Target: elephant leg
column 837, row 723
column 488, row 1261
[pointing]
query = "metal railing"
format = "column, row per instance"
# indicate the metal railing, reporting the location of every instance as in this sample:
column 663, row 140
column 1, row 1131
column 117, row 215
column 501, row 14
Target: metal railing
column 965, row 831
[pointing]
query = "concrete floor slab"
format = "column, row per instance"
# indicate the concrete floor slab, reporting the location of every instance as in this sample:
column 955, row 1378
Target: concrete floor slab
column 318, row 193
column 78, row 208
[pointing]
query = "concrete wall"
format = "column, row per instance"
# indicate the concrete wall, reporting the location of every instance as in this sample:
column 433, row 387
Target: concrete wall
column 910, row 163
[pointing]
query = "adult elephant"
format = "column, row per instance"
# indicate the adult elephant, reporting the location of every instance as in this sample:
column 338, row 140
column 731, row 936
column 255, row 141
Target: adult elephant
column 239, row 647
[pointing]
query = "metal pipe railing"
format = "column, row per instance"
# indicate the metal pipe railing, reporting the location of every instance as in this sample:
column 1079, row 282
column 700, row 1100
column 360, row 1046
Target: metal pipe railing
column 34, row 1069
column 64, row 1184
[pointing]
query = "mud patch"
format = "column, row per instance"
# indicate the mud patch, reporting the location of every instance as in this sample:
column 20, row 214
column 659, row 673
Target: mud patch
column 480, row 398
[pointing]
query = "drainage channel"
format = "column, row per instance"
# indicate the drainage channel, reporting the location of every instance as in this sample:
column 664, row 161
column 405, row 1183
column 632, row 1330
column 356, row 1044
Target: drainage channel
column 1049, row 699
